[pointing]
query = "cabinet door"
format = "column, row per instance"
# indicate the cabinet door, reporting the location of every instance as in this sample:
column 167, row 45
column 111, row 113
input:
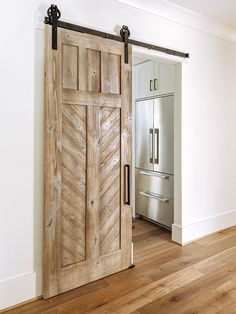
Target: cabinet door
column 164, row 78
column 144, row 84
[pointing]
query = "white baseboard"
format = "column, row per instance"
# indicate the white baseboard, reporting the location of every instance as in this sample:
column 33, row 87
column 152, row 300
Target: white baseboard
column 177, row 233
column 188, row 233
column 20, row 288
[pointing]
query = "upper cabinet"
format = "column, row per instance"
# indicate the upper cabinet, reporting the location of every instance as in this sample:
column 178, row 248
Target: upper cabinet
column 143, row 79
column 152, row 79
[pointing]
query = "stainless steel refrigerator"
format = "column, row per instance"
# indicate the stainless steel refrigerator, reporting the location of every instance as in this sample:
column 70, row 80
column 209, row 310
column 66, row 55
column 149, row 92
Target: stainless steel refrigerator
column 154, row 159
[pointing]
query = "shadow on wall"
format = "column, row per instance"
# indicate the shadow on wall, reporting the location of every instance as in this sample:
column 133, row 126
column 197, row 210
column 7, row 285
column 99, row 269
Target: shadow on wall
column 39, row 148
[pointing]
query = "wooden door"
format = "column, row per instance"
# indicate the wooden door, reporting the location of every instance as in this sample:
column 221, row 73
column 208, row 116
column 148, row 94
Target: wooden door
column 87, row 225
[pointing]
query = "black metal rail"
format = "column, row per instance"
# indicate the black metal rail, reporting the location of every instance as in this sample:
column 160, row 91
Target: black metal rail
column 53, row 19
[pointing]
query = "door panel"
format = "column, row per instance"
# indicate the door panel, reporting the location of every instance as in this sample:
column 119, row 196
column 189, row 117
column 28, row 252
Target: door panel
column 73, row 190
column 144, row 79
column 93, row 70
column 155, row 196
column 69, row 66
column 164, row 134
column 150, row 206
column 110, row 64
column 87, row 225
column 144, row 134
column 109, row 180
column 155, row 182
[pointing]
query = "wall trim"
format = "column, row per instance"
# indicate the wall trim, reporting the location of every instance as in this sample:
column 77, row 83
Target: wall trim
column 177, row 234
column 185, row 17
column 21, row 288
column 188, row 233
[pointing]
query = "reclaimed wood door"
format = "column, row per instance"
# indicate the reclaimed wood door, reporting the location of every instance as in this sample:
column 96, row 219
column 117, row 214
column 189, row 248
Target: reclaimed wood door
column 87, row 221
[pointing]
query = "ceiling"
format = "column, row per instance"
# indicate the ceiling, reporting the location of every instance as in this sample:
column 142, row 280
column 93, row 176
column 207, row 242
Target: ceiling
column 222, row 11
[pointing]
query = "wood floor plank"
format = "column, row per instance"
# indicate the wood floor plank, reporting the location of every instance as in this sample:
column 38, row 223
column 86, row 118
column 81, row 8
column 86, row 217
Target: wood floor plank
column 189, row 298
column 197, row 278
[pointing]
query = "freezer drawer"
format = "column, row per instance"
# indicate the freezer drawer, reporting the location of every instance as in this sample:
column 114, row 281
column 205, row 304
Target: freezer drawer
column 152, row 207
column 156, row 182
column 154, row 196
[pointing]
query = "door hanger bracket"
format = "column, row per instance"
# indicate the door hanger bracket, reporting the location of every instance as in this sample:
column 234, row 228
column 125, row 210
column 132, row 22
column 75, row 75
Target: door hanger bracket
column 125, row 33
column 53, row 16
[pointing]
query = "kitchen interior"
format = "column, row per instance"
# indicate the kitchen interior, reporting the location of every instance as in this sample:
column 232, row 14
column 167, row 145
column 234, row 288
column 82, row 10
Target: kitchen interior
column 154, row 89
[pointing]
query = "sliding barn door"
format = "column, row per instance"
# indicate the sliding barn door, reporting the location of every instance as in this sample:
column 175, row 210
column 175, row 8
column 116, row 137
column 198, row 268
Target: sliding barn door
column 87, row 225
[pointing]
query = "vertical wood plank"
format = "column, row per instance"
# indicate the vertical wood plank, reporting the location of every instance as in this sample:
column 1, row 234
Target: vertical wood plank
column 126, row 155
column 93, row 182
column 82, row 69
column 52, row 166
column 69, row 66
column 93, row 70
column 110, row 73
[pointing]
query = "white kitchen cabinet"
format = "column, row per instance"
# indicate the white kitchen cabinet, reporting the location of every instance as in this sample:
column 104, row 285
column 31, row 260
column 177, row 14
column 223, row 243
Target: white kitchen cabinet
column 144, row 83
column 165, row 78
column 153, row 79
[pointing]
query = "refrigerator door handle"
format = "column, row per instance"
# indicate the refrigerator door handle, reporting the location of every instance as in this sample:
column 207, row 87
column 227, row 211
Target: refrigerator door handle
column 156, row 140
column 151, row 146
column 155, row 196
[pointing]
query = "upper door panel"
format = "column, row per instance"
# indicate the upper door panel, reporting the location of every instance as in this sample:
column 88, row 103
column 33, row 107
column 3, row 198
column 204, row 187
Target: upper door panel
column 164, row 134
column 144, row 134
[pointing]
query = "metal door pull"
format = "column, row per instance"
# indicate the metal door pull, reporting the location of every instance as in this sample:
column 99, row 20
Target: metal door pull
column 127, row 184
column 155, row 84
column 162, row 176
column 151, row 85
column 151, row 146
column 156, row 159
column 154, row 195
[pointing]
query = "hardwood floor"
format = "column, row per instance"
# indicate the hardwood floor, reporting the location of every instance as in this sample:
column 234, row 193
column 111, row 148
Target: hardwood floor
column 197, row 278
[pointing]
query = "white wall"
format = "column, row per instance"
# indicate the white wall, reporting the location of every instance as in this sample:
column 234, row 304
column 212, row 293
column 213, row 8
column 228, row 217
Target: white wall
column 208, row 129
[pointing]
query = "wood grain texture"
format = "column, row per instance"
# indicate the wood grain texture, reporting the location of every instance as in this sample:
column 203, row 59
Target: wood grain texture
column 73, row 203
column 109, row 213
column 167, row 279
column 93, row 183
column 91, row 42
column 88, row 142
column 82, row 68
column 52, row 167
column 69, row 66
column 110, row 70
column 76, row 97
column 93, row 70
column 126, row 152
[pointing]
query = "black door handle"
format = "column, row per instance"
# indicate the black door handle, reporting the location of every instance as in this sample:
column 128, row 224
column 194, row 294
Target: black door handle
column 127, row 184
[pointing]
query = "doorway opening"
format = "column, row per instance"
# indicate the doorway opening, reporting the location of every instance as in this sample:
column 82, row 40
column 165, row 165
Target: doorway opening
column 156, row 149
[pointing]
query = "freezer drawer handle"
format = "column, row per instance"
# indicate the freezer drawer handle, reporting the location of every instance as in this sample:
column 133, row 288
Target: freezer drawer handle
column 153, row 195
column 127, row 184
column 151, row 146
column 162, row 176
